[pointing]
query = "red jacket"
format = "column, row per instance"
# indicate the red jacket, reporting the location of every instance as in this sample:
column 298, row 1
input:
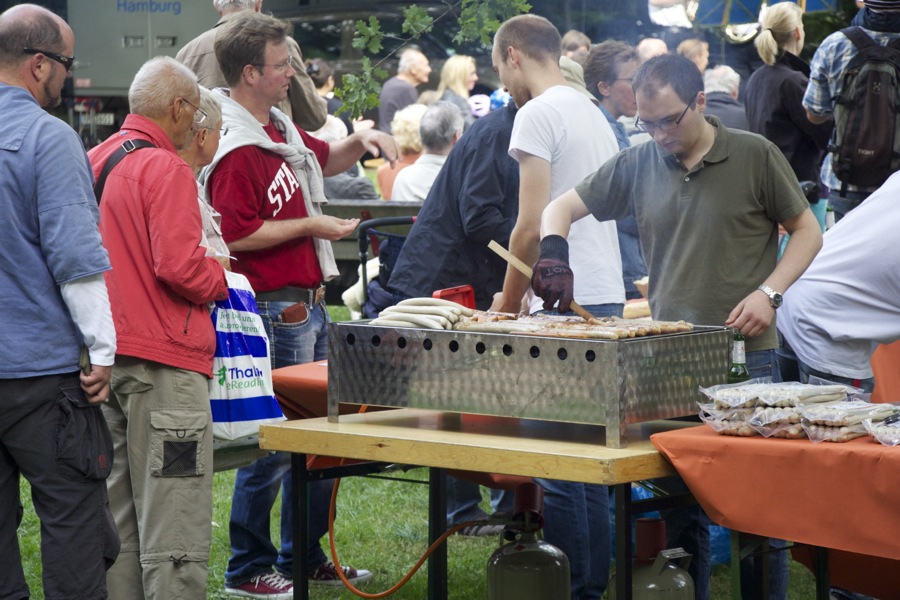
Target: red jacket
column 161, row 279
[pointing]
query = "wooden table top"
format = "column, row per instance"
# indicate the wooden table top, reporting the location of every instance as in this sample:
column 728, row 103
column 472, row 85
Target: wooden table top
column 478, row 443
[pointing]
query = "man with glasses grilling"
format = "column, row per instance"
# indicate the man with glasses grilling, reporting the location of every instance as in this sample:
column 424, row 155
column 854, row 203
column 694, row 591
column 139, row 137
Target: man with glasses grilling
column 708, row 201
column 266, row 180
column 55, row 304
column 160, row 488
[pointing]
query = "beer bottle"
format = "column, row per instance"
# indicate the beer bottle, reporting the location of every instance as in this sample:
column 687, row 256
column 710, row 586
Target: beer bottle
column 738, row 371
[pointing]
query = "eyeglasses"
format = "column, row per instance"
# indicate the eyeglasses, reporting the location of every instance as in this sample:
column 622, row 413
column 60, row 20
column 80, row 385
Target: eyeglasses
column 280, row 66
column 199, row 115
column 663, row 124
column 65, row 61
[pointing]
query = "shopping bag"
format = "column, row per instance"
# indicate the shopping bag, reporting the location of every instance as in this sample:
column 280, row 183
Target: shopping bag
column 240, row 393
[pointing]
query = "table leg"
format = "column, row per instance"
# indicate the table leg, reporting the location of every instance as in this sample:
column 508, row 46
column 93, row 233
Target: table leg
column 300, row 488
column 437, row 525
column 823, row 589
column 623, row 541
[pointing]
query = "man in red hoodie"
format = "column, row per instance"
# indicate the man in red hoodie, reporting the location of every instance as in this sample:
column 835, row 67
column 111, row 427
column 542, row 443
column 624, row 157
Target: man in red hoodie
column 160, row 489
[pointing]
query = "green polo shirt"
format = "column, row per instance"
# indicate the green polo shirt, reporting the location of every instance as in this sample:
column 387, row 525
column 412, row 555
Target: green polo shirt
column 709, row 235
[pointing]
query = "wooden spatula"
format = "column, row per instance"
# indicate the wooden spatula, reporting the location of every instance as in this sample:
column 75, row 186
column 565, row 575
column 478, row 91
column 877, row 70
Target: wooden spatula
column 527, row 272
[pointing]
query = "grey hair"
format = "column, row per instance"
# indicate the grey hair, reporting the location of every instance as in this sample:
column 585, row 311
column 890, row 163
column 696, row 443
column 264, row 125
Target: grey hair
column 157, row 84
column 408, row 60
column 239, row 4
column 209, row 103
column 439, row 124
column 721, row 79
column 27, row 26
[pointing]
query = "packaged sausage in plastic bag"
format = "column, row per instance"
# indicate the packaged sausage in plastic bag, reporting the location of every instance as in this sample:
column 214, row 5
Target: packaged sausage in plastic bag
column 781, row 422
column 727, row 421
column 885, row 432
column 736, row 395
column 842, row 421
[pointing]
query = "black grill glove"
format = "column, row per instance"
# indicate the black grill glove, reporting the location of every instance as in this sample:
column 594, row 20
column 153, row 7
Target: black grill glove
column 552, row 279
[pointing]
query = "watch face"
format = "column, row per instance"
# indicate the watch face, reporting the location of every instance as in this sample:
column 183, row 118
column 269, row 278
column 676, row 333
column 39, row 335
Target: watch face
column 776, row 299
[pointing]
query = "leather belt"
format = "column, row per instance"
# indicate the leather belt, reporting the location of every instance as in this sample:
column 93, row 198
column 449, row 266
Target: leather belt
column 308, row 296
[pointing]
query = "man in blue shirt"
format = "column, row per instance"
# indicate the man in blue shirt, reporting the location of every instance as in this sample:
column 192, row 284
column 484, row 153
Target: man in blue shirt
column 54, row 303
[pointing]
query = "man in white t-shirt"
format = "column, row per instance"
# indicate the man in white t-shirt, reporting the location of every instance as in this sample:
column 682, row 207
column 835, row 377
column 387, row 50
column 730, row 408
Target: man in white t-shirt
column 558, row 138
column 848, row 301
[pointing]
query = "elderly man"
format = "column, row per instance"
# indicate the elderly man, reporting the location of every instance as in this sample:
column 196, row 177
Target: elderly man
column 712, row 258
column 400, row 91
column 722, row 85
column 266, row 181
column 303, row 104
column 55, row 303
column 161, row 485
column 440, row 130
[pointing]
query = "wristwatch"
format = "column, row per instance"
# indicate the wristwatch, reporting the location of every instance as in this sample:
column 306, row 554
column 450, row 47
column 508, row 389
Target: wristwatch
column 775, row 299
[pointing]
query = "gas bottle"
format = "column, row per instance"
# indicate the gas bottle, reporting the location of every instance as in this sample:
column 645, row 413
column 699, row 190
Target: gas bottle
column 526, row 568
column 654, row 574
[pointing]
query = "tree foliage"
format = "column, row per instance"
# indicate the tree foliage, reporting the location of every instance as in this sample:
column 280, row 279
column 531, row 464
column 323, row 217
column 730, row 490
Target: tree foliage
column 478, row 20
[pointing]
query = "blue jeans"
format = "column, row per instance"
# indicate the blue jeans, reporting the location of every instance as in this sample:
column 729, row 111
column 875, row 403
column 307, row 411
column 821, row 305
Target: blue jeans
column 464, row 497
column 794, row 369
column 842, row 206
column 576, row 517
column 688, row 527
column 256, row 486
column 633, row 266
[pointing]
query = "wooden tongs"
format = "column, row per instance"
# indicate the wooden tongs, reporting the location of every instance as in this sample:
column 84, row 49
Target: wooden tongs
column 527, row 272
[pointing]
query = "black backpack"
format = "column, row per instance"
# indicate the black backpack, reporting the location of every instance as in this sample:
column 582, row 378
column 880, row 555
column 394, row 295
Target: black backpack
column 866, row 148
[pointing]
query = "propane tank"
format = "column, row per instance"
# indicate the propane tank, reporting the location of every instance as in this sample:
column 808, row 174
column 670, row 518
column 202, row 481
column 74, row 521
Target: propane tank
column 527, row 568
column 654, row 576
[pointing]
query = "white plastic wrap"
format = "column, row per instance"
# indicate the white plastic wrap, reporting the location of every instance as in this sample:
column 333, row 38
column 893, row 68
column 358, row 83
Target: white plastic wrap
column 763, row 392
column 777, row 422
column 727, row 421
column 828, row 433
column 736, row 395
column 851, row 412
column 885, row 432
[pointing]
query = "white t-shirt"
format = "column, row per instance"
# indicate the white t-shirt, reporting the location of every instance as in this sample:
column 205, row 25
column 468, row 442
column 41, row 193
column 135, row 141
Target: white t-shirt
column 564, row 128
column 848, row 301
column 414, row 182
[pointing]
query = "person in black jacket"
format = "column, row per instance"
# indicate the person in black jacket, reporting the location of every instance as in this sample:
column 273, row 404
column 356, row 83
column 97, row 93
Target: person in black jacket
column 473, row 200
column 774, row 93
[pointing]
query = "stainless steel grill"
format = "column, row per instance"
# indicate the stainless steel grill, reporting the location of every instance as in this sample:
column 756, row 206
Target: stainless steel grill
column 599, row 382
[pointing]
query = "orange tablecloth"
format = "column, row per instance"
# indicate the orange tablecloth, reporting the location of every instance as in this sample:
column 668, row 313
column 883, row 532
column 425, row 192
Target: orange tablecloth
column 302, row 390
column 886, row 366
column 840, row 496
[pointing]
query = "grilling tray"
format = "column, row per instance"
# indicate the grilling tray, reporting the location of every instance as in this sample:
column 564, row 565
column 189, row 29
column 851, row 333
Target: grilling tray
column 612, row 383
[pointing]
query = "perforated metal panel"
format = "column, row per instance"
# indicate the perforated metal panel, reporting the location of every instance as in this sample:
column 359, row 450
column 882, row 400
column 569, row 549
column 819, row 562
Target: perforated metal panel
column 599, row 382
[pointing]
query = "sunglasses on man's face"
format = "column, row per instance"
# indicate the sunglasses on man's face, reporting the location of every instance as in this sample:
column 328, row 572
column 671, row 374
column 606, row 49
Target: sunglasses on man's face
column 65, row 61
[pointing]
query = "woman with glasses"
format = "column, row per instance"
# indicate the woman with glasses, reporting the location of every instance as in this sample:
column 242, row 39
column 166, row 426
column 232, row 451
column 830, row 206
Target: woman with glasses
column 197, row 154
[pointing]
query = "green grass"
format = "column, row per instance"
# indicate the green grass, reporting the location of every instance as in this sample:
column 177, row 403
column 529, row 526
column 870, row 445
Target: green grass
column 382, row 526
